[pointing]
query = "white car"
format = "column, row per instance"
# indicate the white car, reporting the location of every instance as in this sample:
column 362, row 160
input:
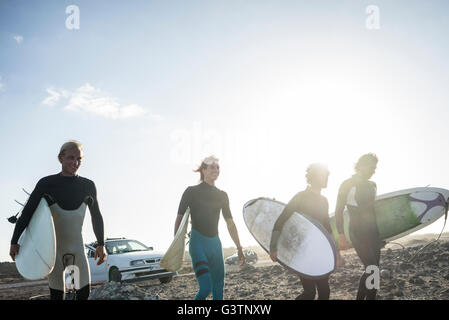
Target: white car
column 250, row 257
column 127, row 260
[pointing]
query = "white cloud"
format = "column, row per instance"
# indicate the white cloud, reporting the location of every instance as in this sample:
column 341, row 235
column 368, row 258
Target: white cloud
column 2, row 86
column 132, row 110
column 91, row 100
column 19, row 39
column 54, row 96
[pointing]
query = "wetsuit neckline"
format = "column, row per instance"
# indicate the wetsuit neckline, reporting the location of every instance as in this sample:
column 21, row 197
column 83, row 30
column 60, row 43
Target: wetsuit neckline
column 67, row 177
column 64, row 210
column 204, row 183
column 358, row 177
column 309, row 189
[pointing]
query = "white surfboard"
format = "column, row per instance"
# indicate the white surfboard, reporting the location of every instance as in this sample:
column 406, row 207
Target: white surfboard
column 172, row 259
column 304, row 245
column 37, row 253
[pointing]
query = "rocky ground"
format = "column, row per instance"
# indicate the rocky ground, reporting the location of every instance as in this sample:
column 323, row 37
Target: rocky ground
column 408, row 273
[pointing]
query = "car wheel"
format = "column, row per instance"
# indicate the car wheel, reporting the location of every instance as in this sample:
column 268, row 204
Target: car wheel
column 115, row 275
column 166, row 280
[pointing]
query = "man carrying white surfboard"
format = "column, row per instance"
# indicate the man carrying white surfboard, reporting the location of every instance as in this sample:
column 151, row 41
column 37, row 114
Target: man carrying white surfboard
column 311, row 203
column 205, row 202
column 358, row 194
column 68, row 195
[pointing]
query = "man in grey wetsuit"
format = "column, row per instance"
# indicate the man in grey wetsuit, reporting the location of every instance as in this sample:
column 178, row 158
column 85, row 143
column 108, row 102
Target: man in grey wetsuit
column 358, row 194
column 68, row 195
column 309, row 202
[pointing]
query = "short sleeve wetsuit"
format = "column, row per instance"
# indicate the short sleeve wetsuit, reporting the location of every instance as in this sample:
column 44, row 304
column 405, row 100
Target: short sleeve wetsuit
column 358, row 195
column 205, row 202
column 68, row 198
column 315, row 206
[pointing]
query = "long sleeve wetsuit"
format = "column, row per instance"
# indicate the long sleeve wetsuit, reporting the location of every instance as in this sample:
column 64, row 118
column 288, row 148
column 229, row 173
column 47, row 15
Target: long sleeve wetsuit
column 359, row 195
column 205, row 202
column 67, row 198
column 69, row 193
column 317, row 207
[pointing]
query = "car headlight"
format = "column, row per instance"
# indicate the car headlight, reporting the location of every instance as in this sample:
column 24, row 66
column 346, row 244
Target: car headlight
column 137, row 263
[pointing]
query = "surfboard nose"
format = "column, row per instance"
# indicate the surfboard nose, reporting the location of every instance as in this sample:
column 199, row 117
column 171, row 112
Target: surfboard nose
column 444, row 193
column 250, row 202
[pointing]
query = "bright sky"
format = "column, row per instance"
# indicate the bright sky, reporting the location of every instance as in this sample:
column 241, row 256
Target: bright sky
column 152, row 87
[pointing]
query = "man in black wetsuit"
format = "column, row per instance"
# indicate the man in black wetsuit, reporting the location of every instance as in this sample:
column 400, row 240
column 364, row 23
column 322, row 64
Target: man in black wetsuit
column 358, row 194
column 311, row 203
column 67, row 194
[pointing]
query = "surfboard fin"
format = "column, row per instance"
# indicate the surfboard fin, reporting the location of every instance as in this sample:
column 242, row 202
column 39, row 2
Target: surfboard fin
column 19, row 203
column 13, row 219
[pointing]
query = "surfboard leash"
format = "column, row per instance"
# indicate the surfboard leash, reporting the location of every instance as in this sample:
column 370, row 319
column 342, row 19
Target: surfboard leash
column 397, row 257
column 444, row 225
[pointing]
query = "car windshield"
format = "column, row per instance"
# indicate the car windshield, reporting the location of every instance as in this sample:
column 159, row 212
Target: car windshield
column 124, row 246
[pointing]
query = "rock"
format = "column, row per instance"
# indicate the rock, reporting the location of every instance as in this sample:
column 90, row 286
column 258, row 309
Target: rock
column 128, row 289
column 118, row 291
column 389, row 296
column 444, row 256
column 406, row 266
column 277, row 269
column 407, row 255
column 400, row 283
column 385, row 274
column 398, row 293
column 151, row 297
column 422, row 273
column 248, row 268
column 397, row 269
column 445, row 293
column 416, row 280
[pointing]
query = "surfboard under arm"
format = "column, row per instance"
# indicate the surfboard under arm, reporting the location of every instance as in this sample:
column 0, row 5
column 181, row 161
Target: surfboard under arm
column 172, row 259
